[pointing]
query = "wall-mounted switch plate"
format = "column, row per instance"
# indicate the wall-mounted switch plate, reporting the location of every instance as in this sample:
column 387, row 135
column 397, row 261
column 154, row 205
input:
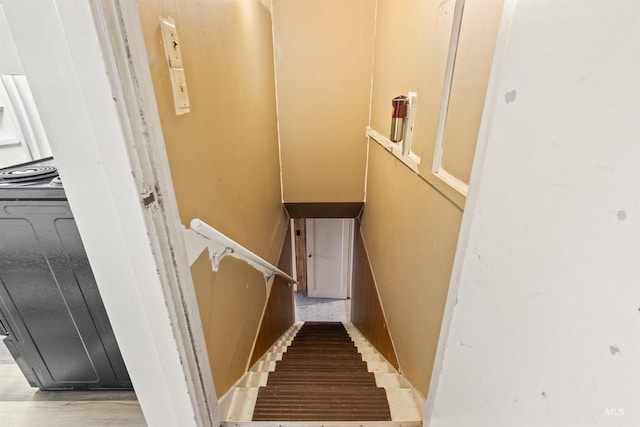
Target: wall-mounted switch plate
column 180, row 94
column 176, row 70
column 171, row 44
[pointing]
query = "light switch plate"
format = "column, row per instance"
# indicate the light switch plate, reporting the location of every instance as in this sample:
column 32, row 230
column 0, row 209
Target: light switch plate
column 176, row 70
column 171, row 44
column 180, row 94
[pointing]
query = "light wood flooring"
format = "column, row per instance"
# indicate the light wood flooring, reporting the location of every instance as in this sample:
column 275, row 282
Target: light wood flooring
column 21, row 405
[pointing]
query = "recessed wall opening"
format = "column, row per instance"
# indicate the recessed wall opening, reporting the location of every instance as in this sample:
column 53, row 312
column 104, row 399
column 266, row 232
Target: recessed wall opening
column 323, row 266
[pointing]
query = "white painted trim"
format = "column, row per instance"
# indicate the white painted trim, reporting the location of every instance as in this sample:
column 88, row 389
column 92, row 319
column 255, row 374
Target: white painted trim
column 448, row 81
column 410, row 123
column 373, row 62
column 437, row 169
column 411, row 160
column 275, row 85
column 194, row 243
column 453, row 182
column 484, row 135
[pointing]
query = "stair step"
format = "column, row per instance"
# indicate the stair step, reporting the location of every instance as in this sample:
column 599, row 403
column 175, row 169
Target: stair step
column 316, row 398
column 372, row 357
column 331, row 357
column 320, row 364
column 325, row 347
column 254, row 379
column 320, row 393
column 402, row 405
column 318, row 380
column 241, row 404
column 322, row 377
column 378, row 367
column 389, row 380
column 339, row 423
column 264, row 366
column 273, row 357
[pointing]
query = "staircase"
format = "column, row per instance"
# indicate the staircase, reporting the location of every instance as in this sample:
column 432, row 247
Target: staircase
column 321, row 374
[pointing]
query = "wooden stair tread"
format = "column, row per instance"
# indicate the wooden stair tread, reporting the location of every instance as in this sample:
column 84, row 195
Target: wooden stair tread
column 321, row 377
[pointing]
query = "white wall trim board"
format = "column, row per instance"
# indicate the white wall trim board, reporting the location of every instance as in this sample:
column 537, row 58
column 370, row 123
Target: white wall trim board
column 449, row 186
column 275, row 86
column 453, row 182
column 411, row 159
column 373, row 62
column 448, row 81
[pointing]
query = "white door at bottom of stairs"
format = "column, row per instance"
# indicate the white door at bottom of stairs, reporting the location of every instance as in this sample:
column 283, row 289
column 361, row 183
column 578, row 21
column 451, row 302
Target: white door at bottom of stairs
column 329, row 257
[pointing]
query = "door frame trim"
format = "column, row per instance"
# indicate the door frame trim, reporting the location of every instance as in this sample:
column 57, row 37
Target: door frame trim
column 89, row 74
column 124, row 50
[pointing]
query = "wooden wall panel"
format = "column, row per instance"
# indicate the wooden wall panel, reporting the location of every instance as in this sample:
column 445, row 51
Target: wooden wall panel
column 279, row 313
column 366, row 310
column 324, row 209
column 300, row 230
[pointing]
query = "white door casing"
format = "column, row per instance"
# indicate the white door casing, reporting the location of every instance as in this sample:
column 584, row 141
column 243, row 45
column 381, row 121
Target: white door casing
column 330, row 253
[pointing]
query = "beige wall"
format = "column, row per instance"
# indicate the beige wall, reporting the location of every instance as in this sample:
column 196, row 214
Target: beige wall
column 409, row 226
column 230, row 304
column 323, row 59
column 411, row 236
column 223, row 157
column 412, row 43
column 224, row 153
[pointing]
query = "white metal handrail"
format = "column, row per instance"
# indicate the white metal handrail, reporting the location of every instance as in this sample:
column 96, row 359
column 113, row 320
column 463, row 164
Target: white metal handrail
column 224, row 246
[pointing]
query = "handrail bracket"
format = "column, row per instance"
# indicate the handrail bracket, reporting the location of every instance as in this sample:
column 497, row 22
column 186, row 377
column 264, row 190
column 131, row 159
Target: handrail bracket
column 220, row 246
column 216, row 257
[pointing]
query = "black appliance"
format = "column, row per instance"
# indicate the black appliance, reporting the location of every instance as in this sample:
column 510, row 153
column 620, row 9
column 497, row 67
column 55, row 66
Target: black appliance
column 50, row 308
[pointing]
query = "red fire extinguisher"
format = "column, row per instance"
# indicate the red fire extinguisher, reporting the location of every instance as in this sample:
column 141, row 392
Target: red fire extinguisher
column 397, row 117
